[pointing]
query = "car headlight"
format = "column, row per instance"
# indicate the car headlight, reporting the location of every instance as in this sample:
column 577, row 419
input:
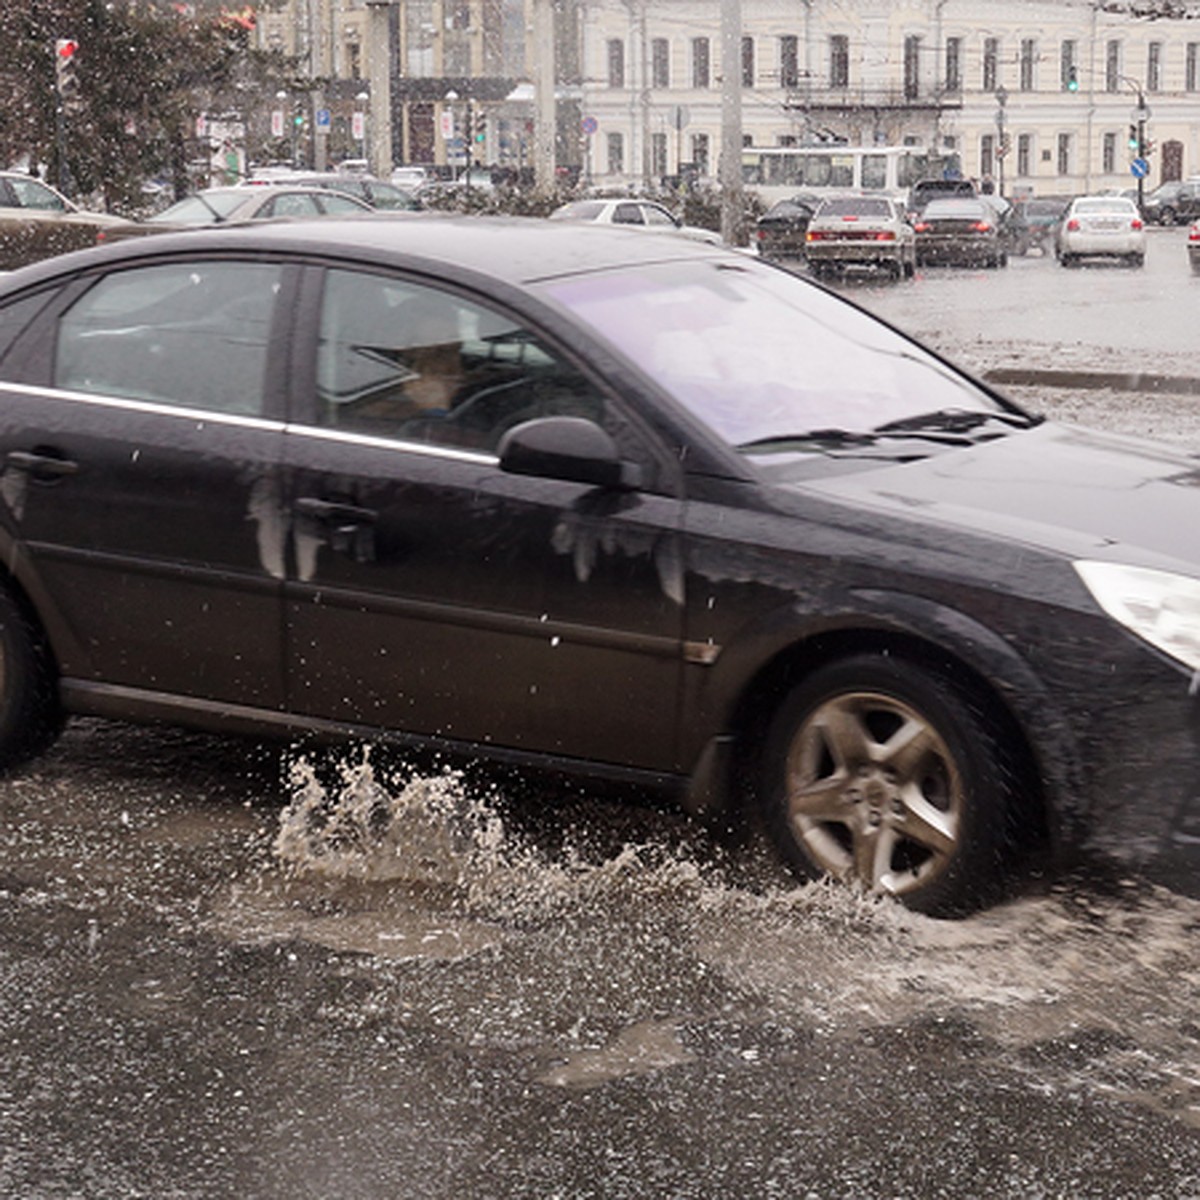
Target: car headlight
column 1162, row 608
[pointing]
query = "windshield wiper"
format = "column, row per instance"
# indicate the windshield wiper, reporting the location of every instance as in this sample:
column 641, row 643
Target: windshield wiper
column 824, row 437
column 956, row 420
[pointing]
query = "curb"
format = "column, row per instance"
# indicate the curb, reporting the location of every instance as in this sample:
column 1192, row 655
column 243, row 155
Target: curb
column 1116, row 381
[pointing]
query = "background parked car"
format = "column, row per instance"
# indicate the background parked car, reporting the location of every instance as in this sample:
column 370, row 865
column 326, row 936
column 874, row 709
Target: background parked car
column 633, row 212
column 1101, row 227
column 37, row 222
column 779, row 232
column 216, row 206
column 378, row 193
column 1194, row 247
column 963, row 230
column 1034, row 223
column 854, row 232
column 1173, row 202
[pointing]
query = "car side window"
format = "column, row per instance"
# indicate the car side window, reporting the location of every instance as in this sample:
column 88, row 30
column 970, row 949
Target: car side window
column 192, row 334
column 627, row 214
column 658, row 216
column 291, row 204
column 335, row 202
column 400, row 359
column 31, row 194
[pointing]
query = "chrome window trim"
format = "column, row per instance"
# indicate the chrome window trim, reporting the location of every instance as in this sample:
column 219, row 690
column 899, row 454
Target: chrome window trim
column 322, row 433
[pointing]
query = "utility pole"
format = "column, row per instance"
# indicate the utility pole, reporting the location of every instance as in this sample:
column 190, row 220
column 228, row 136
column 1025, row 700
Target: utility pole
column 733, row 215
column 379, row 72
column 545, row 116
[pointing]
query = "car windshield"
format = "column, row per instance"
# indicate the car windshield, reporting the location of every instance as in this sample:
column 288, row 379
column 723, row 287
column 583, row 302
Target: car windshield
column 202, row 209
column 1104, row 204
column 973, row 209
column 758, row 354
column 852, row 206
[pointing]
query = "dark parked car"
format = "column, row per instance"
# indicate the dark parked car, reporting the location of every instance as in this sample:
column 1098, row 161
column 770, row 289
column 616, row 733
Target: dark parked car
column 963, row 231
column 1034, row 222
column 780, row 231
column 1172, row 203
column 639, row 507
column 37, row 222
column 1193, row 247
column 378, row 193
column 215, row 206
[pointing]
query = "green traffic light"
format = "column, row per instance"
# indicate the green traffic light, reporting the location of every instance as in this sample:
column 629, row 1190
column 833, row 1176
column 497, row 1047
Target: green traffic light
column 1073, row 80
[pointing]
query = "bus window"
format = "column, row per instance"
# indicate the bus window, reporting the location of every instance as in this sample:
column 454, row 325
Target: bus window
column 874, row 171
column 841, row 171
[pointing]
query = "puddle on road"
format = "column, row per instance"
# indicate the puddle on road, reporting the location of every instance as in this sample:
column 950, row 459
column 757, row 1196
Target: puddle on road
column 605, row 967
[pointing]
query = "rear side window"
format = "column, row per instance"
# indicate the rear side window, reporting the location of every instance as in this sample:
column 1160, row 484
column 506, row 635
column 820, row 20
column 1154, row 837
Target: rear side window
column 14, row 318
column 192, row 334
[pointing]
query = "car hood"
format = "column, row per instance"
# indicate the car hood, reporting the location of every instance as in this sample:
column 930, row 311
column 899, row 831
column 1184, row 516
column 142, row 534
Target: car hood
column 1078, row 492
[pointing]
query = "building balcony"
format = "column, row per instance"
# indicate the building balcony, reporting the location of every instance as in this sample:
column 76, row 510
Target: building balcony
column 814, row 99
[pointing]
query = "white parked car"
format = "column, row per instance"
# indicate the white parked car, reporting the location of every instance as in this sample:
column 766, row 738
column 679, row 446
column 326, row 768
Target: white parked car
column 637, row 214
column 1101, row 227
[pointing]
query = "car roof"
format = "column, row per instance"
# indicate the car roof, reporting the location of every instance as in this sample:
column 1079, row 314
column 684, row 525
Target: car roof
column 515, row 250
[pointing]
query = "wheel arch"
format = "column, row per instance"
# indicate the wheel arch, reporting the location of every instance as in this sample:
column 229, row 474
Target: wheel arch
column 927, row 634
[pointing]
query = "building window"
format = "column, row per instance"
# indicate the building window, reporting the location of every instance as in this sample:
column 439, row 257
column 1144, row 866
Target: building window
column 1154, row 67
column 1028, row 58
column 839, row 61
column 1064, row 154
column 1024, row 153
column 1110, row 154
column 616, row 154
column 701, row 63
column 987, row 155
column 658, row 154
column 954, row 64
column 1190, row 67
column 354, row 60
column 785, row 139
column 616, row 63
column 1112, row 66
column 912, row 67
column 991, row 59
column 789, row 61
column 747, row 62
column 660, row 63
column 1069, row 68
column 700, row 152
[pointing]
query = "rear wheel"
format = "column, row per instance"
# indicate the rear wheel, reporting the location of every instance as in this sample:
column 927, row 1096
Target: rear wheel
column 887, row 776
column 30, row 716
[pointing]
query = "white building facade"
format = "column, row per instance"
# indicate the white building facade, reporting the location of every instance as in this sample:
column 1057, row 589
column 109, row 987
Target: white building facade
column 1042, row 97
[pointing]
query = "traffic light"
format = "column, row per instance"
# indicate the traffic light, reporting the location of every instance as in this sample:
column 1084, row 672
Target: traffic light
column 1135, row 142
column 66, row 78
column 1073, row 79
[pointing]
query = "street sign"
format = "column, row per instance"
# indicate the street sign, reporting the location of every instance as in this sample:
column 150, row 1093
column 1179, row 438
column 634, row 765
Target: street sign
column 324, row 120
column 447, row 121
column 589, row 125
column 1139, row 168
column 277, row 123
column 358, row 126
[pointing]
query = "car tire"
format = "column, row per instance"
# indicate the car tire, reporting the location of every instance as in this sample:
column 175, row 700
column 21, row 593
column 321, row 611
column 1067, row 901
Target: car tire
column 1137, row 260
column 888, row 776
column 1067, row 260
column 910, row 268
column 30, row 714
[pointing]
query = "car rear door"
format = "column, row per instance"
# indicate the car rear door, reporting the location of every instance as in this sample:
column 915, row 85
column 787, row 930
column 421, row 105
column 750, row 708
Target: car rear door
column 434, row 593
column 140, row 437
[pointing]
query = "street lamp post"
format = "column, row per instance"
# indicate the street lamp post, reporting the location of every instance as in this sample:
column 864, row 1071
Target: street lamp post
column 1001, row 148
column 1141, row 115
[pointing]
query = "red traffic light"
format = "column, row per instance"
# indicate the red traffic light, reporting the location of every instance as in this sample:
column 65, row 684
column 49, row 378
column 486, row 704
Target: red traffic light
column 66, row 47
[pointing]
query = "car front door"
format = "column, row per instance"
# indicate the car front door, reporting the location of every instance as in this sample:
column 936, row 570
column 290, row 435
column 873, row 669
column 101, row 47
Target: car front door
column 140, row 435
column 436, row 594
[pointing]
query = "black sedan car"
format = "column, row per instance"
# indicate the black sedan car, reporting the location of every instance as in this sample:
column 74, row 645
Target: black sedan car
column 636, row 507
column 961, row 231
column 780, row 233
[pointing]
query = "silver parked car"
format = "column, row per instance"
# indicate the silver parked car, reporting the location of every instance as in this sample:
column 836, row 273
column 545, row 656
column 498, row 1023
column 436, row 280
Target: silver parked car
column 1101, row 227
column 868, row 232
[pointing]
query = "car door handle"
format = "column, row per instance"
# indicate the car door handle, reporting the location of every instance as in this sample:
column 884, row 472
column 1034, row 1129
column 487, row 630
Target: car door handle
column 333, row 510
column 41, row 466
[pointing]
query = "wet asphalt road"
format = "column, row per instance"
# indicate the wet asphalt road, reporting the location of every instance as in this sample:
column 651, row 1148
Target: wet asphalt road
column 236, row 970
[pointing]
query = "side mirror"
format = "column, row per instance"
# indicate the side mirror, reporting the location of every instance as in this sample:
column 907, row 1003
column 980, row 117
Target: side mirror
column 568, row 448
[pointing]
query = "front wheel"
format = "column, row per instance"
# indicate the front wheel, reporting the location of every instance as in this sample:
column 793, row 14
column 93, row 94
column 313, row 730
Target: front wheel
column 887, row 776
